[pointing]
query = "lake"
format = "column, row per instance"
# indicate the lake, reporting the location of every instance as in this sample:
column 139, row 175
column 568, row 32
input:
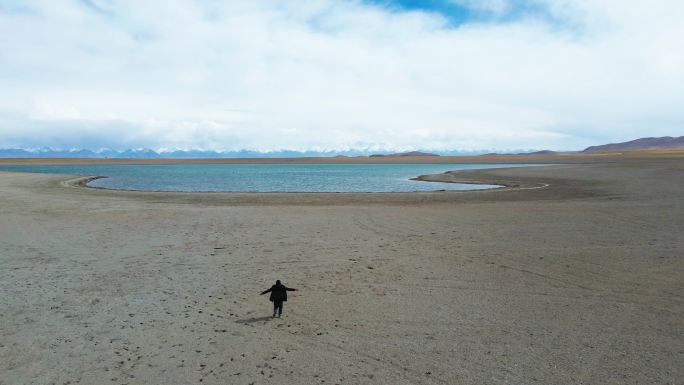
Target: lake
column 265, row 177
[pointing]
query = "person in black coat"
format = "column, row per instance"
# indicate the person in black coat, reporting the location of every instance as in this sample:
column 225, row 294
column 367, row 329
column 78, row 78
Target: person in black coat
column 278, row 296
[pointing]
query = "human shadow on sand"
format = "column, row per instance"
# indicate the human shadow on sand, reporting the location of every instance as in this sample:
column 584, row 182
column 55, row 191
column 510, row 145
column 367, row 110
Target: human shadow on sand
column 254, row 319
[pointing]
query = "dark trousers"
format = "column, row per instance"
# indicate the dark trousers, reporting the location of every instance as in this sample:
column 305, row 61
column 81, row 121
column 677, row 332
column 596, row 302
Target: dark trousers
column 277, row 307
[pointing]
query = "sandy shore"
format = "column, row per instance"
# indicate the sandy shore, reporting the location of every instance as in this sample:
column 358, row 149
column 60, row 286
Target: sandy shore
column 578, row 282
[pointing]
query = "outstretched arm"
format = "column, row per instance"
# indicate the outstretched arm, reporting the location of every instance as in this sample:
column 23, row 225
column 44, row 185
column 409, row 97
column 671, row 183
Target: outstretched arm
column 265, row 291
column 290, row 289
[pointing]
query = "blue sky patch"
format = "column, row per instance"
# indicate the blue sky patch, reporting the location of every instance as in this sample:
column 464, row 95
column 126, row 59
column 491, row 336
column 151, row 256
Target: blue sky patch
column 456, row 14
column 462, row 12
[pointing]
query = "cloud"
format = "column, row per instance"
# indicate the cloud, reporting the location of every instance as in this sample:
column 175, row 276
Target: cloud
column 337, row 74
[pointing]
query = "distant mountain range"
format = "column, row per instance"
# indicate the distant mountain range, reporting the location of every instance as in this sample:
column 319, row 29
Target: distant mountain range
column 666, row 142
column 146, row 153
column 662, row 143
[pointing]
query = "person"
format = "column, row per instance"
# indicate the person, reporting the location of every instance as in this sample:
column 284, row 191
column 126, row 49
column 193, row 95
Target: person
column 278, row 296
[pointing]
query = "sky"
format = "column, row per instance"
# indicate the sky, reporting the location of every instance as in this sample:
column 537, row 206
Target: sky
column 339, row 74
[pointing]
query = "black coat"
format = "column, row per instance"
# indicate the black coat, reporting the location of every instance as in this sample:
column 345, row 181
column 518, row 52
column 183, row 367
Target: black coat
column 278, row 293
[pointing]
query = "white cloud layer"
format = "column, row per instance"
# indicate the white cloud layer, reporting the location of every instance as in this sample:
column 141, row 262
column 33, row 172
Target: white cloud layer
column 337, row 74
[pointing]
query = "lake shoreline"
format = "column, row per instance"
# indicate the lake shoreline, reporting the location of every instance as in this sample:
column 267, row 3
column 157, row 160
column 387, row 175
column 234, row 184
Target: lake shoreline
column 514, row 188
column 265, row 178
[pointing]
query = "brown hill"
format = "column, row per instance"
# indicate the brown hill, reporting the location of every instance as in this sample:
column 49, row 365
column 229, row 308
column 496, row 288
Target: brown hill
column 410, row 153
column 666, row 142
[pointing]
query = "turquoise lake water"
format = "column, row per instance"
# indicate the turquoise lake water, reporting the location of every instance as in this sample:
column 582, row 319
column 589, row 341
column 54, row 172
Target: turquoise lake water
column 265, row 177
